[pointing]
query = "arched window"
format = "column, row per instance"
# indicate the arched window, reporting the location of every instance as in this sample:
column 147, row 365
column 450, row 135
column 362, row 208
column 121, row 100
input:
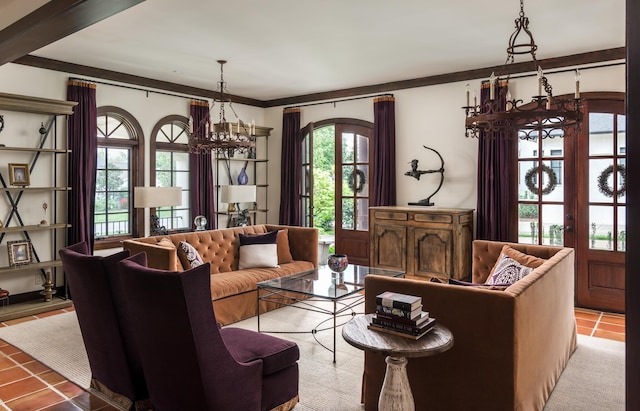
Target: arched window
column 119, row 169
column 170, row 168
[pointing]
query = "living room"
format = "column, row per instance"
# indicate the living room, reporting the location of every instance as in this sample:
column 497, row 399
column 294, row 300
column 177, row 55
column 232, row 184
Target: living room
column 429, row 115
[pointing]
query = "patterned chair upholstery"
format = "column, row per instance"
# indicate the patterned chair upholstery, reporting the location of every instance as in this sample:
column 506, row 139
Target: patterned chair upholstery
column 116, row 370
column 190, row 363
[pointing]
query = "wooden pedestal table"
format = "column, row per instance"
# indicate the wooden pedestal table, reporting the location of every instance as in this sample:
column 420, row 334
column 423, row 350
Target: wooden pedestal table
column 396, row 392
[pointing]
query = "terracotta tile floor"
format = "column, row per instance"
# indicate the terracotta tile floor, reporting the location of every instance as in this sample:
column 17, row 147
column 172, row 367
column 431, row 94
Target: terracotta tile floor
column 26, row 384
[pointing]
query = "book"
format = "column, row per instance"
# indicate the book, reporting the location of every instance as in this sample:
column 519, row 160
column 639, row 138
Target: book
column 399, row 333
column 406, row 328
column 397, row 300
column 416, row 321
column 411, row 315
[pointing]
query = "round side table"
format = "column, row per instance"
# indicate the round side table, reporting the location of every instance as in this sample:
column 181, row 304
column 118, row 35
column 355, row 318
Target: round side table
column 396, row 392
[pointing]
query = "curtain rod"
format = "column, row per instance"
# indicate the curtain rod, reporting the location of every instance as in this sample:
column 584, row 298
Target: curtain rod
column 340, row 100
column 165, row 93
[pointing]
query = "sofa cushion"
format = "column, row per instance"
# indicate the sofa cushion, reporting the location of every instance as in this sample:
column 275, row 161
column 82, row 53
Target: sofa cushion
column 282, row 243
column 246, row 346
column 188, row 255
column 527, row 260
column 507, row 271
column 166, row 242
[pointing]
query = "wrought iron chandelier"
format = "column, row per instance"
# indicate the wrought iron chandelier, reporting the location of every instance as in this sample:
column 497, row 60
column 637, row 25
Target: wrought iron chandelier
column 546, row 115
column 223, row 136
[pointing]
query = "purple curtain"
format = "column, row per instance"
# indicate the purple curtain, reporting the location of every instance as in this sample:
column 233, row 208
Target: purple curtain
column 290, row 178
column 82, row 129
column 201, row 187
column 383, row 178
column 494, row 177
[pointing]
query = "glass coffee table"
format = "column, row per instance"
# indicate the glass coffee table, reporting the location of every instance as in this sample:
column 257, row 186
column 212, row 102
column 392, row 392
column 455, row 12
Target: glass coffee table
column 343, row 291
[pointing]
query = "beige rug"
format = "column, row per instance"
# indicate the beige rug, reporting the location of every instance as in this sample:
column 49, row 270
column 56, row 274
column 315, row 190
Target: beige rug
column 593, row 380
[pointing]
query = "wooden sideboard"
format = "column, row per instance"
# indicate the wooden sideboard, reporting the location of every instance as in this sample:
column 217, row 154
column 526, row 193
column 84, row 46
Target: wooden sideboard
column 422, row 241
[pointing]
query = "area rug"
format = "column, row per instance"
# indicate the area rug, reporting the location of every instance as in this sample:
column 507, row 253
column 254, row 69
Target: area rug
column 593, row 379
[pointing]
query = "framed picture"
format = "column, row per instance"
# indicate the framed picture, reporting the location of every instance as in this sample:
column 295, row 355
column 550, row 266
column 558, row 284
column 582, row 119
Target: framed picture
column 19, row 174
column 19, row 252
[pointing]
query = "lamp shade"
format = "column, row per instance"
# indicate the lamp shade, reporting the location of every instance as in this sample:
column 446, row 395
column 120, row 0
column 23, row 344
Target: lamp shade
column 152, row 197
column 237, row 194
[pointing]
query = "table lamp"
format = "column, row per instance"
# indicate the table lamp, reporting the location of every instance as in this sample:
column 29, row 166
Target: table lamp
column 236, row 194
column 153, row 197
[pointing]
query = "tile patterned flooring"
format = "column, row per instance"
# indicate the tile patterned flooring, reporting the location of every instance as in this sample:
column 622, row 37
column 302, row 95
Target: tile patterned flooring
column 28, row 385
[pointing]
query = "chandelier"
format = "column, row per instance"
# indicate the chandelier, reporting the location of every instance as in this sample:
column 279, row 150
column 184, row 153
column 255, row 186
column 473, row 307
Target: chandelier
column 546, row 115
column 223, row 136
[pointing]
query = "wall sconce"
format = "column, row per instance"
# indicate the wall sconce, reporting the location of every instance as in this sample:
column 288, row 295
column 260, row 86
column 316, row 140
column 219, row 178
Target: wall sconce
column 153, row 197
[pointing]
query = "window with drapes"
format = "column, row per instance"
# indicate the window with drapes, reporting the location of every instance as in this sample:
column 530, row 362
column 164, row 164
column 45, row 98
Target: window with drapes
column 119, row 169
column 170, row 168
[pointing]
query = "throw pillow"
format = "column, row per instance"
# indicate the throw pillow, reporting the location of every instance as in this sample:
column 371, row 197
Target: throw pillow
column 527, row 260
column 188, row 255
column 258, row 251
column 508, row 271
column 282, row 242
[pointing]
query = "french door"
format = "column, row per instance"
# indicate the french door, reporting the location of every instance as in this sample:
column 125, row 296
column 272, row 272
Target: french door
column 572, row 192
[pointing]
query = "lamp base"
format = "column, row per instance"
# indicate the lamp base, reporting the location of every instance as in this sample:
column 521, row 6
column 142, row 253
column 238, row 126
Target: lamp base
column 156, row 228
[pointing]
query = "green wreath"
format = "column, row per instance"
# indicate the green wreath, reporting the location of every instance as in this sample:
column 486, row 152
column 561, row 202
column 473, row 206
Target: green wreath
column 531, row 178
column 603, row 181
column 362, row 180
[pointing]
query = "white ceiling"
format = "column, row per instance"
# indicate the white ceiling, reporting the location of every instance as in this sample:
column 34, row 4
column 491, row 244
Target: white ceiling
column 285, row 48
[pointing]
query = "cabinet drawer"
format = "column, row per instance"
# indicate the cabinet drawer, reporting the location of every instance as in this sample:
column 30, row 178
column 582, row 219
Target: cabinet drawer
column 434, row 218
column 379, row 215
column 466, row 218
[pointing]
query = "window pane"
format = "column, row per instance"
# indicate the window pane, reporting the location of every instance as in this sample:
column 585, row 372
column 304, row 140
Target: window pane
column 347, row 213
column 163, row 179
column 601, row 226
column 362, row 186
column 601, row 181
column 526, row 148
column 118, row 180
column 181, row 161
column 118, row 158
column 363, row 214
column 552, row 224
column 600, row 134
column 551, row 180
column 552, row 145
column 622, row 229
column 349, row 179
column 163, row 160
column 347, row 147
column 527, row 173
column 622, row 133
column 363, row 149
column 528, row 223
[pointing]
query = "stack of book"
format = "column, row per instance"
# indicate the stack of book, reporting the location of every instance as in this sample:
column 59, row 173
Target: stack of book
column 401, row 314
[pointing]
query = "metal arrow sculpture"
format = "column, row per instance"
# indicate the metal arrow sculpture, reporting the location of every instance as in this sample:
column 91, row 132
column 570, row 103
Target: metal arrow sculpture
column 415, row 173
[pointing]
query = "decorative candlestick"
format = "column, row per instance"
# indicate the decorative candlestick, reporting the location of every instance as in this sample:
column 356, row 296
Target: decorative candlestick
column 44, row 222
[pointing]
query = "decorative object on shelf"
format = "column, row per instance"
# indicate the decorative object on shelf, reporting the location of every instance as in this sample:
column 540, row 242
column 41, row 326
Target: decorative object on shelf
column 19, row 252
column 243, row 178
column 356, row 180
column 236, row 194
column 603, row 181
column 243, row 219
column 1, row 123
column 200, row 222
column 223, row 136
column 337, row 262
column 153, row 197
column 549, row 115
column 42, row 130
column 415, row 173
column 48, row 285
column 43, row 222
column 531, row 179
column 19, row 174
column 1, row 224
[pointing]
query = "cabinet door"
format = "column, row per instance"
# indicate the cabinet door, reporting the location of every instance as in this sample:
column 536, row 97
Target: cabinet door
column 433, row 252
column 389, row 247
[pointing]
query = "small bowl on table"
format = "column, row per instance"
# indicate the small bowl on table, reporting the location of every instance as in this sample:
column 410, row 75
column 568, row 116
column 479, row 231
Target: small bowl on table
column 338, row 262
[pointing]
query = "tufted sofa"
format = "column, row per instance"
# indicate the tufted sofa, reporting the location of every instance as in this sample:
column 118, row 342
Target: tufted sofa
column 510, row 346
column 233, row 291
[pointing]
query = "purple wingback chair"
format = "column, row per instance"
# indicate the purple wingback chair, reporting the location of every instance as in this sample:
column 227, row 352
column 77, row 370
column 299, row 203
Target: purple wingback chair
column 116, row 370
column 192, row 364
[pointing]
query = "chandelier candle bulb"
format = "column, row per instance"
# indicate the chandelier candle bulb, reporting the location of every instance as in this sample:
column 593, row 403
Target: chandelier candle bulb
column 467, row 95
column 539, row 80
column 508, row 97
column 577, row 84
column 492, row 84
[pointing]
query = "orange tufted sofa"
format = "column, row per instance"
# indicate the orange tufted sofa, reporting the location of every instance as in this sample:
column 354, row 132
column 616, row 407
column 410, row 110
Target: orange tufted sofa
column 233, row 291
column 510, row 346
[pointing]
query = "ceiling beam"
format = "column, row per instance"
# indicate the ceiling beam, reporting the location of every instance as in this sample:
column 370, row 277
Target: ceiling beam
column 582, row 59
column 53, row 21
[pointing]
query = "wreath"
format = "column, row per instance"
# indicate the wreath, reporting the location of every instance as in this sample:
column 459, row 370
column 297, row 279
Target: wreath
column 531, row 178
column 357, row 186
column 603, row 181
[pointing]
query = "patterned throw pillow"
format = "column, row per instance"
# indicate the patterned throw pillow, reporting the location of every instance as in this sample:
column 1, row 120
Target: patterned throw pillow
column 188, row 255
column 508, row 271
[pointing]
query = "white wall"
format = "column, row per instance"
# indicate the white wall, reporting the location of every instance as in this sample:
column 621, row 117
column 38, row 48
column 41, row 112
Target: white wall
column 430, row 116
